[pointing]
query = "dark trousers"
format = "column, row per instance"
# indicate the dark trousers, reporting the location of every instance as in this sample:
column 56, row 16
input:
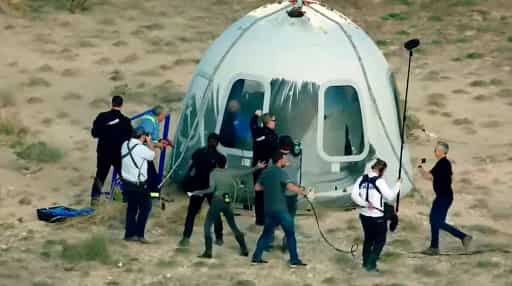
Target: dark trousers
column 217, row 207
column 138, row 209
column 375, row 230
column 271, row 222
column 153, row 178
column 194, row 206
column 259, row 208
column 438, row 214
column 103, row 163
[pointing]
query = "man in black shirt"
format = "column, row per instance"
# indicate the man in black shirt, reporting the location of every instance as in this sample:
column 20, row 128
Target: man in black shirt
column 441, row 175
column 264, row 143
column 204, row 161
column 111, row 128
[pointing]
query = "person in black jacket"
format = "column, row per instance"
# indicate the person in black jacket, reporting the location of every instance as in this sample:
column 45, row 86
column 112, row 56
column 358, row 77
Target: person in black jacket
column 204, row 161
column 111, row 128
column 264, row 143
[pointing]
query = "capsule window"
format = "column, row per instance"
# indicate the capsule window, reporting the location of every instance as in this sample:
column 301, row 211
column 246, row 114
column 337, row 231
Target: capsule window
column 245, row 97
column 343, row 133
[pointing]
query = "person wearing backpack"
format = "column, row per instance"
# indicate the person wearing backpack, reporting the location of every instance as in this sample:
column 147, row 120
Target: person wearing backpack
column 370, row 192
column 136, row 153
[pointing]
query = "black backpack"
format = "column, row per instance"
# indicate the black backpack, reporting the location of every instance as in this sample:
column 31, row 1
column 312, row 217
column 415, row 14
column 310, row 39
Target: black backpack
column 388, row 209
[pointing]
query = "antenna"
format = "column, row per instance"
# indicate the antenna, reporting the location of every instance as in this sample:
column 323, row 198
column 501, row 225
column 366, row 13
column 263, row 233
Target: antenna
column 296, row 11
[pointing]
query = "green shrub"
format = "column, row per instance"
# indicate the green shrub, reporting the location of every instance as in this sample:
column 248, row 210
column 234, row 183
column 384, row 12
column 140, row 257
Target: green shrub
column 94, row 248
column 474, row 56
column 395, row 16
column 404, row 2
column 40, row 152
column 509, row 39
column 435, row 18
column 486, row 264
column 413, row 123
column 390, row 257
column 8, row 127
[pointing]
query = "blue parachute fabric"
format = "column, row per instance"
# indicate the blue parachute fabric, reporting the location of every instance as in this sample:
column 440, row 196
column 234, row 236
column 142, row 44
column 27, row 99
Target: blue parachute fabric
column 59, row 213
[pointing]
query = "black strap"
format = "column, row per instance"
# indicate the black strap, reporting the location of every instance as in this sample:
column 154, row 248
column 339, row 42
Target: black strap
column 129, row 153
column 373, row 181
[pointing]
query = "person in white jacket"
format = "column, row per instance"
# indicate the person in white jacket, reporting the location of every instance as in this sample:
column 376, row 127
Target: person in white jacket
column 369, row 193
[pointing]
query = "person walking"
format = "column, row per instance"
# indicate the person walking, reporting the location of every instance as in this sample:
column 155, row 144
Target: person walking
column 441, row 177
column 274, row 181
column 204, row 160
column 111, row 128
column 370, row 193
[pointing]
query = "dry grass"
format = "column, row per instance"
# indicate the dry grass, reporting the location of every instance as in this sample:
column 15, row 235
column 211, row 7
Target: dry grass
column 129, row 59
column 491, row 124
column 69, row 72
column 37, row 82
column 437, row 100
column 85, row 43
column 483, row 98
column 460, row 91
column 34, row 100
column 151, row 72
column 72, row 95
column 426, row 270
column 99, row 103
column 104, row 61
column 120, row 43
column 46, row 68
column 479, row 83
column 462, row 121
column 7, row 99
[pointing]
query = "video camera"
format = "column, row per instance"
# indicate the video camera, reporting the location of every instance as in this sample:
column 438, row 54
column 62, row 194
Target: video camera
column 294, row 147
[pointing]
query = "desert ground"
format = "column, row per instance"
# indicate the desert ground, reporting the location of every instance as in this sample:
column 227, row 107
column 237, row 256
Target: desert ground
column 58, row 70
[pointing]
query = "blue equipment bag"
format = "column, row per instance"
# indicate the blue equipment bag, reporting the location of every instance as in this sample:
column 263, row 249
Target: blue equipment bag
column 60, row 213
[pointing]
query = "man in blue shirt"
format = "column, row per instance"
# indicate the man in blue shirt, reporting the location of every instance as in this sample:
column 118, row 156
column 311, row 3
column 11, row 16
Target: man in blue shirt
column 150, row 124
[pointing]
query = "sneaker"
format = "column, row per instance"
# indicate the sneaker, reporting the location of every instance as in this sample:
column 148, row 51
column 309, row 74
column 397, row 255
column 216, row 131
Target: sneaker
column 184, row 242
column 466, row 242
column 143, row 240
column 205, row 255
column 371, row 269
column 297, row 264
column 131, row 239
column 244, row 253
column 219, row 241
column 258, row 261
column 431, row 251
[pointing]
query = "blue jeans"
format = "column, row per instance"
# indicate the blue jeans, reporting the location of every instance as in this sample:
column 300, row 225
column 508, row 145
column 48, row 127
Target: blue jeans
column 438, row 215
column 273, row 220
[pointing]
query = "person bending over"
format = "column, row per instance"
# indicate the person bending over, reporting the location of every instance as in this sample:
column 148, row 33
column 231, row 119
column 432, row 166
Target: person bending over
column 221, row 186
